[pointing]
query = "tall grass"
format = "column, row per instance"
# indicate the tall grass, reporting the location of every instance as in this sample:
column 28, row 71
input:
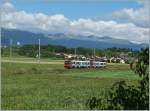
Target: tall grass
column 32, row 86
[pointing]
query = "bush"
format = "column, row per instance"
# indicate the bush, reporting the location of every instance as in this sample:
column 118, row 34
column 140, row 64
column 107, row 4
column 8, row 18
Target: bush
column 125, row 97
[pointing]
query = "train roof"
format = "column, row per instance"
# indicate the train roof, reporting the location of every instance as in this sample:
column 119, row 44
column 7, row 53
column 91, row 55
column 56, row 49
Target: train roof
column 83, row 61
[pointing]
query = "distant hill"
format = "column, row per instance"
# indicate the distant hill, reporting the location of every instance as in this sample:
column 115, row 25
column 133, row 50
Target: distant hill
column 25, row 37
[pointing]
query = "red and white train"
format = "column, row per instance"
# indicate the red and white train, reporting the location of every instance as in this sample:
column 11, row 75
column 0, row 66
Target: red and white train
column 83, row 64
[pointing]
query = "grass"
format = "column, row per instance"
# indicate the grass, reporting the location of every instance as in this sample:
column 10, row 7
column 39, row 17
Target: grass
column 32, row 86
column 111, row 71
column 107, row 74
column 21, row 58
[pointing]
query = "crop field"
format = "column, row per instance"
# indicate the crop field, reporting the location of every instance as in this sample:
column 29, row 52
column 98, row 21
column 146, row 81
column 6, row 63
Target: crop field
column 51, row 86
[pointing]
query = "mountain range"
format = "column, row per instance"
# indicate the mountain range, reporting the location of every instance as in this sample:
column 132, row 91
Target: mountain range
column 68, row 40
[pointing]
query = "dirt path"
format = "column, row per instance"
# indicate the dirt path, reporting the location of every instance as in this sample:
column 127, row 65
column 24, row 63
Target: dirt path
column 32, row 62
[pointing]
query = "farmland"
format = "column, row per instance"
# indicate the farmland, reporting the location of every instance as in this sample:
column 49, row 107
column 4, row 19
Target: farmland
column 51, row 86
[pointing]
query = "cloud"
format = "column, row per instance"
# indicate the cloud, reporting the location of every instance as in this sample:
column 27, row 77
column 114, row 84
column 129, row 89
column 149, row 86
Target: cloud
column 7, row 7
column 127, row 31
column 139, row 17
column 39, row 22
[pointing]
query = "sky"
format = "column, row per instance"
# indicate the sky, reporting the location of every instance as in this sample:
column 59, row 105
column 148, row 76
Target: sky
column 121, row 19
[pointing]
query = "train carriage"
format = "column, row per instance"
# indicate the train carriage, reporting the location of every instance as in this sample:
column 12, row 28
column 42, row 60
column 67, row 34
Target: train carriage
column 83, row 64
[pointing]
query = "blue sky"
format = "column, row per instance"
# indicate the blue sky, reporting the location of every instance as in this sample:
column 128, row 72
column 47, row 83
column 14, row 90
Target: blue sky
column 99, row 9
column 121, row 19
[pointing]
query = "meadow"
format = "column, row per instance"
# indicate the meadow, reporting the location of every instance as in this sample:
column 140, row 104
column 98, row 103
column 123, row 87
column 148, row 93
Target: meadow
column 51, row 86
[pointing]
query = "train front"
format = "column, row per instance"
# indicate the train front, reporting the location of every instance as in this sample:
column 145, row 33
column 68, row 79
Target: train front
column 67, row 64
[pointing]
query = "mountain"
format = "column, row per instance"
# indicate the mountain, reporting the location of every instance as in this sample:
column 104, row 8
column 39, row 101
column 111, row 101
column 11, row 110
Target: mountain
column 25, row 37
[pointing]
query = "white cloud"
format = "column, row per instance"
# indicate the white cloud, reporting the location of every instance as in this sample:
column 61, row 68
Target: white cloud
column 7, row 7
column 111, row 28
column 39, row 22
column 139, row 17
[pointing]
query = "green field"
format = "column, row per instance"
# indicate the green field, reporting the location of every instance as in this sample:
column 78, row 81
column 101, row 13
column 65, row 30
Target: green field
column 51, row 86
column 21, row 58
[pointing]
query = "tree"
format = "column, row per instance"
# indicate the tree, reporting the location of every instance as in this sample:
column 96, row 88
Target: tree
column 2, row 51
column 126, row 97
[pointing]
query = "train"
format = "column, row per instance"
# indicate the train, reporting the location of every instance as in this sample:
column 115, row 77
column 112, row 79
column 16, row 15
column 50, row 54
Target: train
column 83, row 64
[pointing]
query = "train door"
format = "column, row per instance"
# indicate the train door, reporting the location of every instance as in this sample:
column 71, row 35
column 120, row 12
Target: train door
column 73, row 64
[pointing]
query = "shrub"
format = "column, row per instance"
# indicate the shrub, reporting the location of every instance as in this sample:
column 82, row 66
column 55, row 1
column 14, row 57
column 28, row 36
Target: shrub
column 126, row 97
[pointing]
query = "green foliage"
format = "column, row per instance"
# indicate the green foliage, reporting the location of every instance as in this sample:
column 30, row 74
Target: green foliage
column 31, row 50
column 93, row 103
column 122, row 96
column 127, row 97
column 5, row 51
column 142, row 65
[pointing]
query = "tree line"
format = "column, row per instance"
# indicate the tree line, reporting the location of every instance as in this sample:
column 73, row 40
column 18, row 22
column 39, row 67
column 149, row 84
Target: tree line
column 31, row 50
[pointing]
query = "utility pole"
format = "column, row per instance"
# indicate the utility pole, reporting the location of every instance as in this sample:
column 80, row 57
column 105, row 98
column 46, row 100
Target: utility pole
column 94, row 54
column 39, row 51
column 94, row 58
column 10, row 50
column 75, row 52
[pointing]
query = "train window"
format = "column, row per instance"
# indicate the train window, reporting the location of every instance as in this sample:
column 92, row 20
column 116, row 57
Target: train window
column 67, row 62
column 78, row 63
